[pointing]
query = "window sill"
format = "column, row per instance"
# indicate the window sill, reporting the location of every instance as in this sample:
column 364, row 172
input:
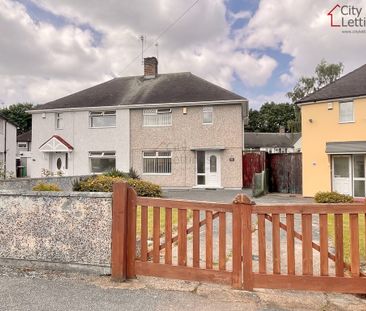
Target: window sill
column 345, row 122
column 156, row 174
column 156, row 125
column 207, row 123
column 103, row 127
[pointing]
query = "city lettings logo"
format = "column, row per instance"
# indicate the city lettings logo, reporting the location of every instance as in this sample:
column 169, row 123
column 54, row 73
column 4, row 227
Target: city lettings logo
column 349, row 18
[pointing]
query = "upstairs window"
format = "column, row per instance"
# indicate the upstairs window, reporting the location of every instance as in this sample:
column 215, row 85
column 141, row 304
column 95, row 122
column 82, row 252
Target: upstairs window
column 157, row 117
column 207, row 115
column 157, row 162
column 102, row 161
column 346, row 112
column 102, row 119
column 59, row 121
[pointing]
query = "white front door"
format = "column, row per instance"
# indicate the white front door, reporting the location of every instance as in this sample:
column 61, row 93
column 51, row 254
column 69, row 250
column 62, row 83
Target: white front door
column 208, row 169
column 342, row 178
column 59, row 163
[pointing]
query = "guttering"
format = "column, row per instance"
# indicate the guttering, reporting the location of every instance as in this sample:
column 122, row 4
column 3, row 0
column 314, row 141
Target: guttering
column 138, row 106
column 323, row 101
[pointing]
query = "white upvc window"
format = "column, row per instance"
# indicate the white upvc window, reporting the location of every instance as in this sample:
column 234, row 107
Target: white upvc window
column 157, row 117
column 23, row 145
column 102, row 161
column 100, row 119
column 207, row 115
column 157, row 162
column 346, row 113
column 59, row 121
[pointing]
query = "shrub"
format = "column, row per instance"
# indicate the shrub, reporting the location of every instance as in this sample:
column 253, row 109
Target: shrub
column 145, row 188
column 100, row 183
column 46, row 187
column 132, row 173
column 117, row 173
column 103, row 183
column 332, row 197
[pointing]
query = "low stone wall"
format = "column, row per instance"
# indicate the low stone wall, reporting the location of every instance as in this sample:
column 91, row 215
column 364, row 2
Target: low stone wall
column 66, row 230
column 64, row 182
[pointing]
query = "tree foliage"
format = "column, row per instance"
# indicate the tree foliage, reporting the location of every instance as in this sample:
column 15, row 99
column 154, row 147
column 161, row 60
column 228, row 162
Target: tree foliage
column 271, row 117
column 18, row 114
column 324, row 74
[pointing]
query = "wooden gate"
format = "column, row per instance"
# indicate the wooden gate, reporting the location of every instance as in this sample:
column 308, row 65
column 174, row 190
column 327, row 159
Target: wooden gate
column 253, row 162
column 188, row 240
column 284, row 172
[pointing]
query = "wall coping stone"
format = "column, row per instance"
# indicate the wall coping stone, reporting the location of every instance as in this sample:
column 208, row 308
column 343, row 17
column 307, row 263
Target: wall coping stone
column 62, row 194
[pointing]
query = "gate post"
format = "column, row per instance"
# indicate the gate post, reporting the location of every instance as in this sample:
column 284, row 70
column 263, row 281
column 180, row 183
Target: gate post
column 119, row 231
column 242, row 202
column 131, row 232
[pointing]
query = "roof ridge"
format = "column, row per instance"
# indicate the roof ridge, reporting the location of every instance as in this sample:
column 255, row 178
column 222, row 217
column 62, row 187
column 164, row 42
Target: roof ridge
column 329, row 84
column 218, row 86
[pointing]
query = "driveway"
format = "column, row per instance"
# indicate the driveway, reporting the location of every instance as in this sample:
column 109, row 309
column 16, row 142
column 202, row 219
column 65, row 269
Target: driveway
column 227, row 196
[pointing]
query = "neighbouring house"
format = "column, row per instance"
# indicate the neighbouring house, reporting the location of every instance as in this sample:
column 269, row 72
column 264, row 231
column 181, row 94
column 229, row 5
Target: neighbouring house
column 177, row 130
column 8, row 139
column 334, row 136
column 24, row 154
column 272, row 142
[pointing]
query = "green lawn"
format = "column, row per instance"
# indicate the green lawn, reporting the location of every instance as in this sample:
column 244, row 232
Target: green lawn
column 162, row 220
column 346, row 235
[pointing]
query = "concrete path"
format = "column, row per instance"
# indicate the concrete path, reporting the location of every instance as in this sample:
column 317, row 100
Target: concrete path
column 30, row 290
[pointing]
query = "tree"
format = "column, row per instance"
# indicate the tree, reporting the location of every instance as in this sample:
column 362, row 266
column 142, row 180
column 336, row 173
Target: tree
column 324, row 74
column 271, row 117
column 18, row 114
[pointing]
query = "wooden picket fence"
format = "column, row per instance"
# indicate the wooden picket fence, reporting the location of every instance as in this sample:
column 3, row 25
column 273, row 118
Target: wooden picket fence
column 188, row 240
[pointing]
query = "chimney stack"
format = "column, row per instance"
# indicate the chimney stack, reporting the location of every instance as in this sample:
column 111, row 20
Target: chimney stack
column 150, row 67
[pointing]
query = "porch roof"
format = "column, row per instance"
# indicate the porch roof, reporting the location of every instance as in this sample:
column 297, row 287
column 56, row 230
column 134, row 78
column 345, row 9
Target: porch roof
column 56, row 144
column 346, row 147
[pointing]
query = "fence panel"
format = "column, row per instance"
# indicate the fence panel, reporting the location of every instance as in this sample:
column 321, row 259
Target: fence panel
column 241, row 244
column 312, row 230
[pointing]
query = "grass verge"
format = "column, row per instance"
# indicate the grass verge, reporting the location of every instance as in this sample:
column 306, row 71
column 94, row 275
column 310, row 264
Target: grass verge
column 346, row 235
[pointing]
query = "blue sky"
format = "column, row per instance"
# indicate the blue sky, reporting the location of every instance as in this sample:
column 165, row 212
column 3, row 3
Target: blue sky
column 64, row 46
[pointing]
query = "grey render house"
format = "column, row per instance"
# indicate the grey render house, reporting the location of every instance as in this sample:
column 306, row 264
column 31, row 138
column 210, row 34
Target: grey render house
column 177, row 130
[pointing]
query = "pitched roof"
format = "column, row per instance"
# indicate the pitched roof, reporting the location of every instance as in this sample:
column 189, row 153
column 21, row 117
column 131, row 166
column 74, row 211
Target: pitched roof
column 165, row 88
column 25, row 137
column 270, row 140
column 59, row 139
column 352, row 84
column 7, row 120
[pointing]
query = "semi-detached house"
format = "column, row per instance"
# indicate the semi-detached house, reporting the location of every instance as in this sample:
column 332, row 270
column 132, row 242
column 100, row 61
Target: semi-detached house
column 177, row 130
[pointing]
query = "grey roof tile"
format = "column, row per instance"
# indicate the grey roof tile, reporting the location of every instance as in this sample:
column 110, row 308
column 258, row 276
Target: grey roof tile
column 165, row 88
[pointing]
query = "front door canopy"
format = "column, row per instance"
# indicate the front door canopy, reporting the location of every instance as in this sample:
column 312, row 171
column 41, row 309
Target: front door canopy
column 56, row 144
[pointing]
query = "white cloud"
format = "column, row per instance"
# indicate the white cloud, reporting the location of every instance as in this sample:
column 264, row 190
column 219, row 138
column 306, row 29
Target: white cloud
column 41, row 62
column 255, row 102
column 302, row 30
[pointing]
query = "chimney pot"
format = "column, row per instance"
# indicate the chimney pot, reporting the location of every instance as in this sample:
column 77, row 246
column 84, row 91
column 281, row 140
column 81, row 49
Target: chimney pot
column 150, row 67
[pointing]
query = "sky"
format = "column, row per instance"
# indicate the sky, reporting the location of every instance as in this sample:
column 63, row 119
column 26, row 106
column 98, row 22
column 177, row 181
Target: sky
column 258, row 49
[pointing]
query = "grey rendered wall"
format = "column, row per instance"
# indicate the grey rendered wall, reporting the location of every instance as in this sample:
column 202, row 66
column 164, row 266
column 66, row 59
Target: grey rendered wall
column 26, row 184
column 84, row 139
column 61, row 230
column 187, row 131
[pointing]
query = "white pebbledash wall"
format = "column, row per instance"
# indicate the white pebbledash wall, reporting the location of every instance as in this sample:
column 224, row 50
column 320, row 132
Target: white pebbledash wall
column 84, row 139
